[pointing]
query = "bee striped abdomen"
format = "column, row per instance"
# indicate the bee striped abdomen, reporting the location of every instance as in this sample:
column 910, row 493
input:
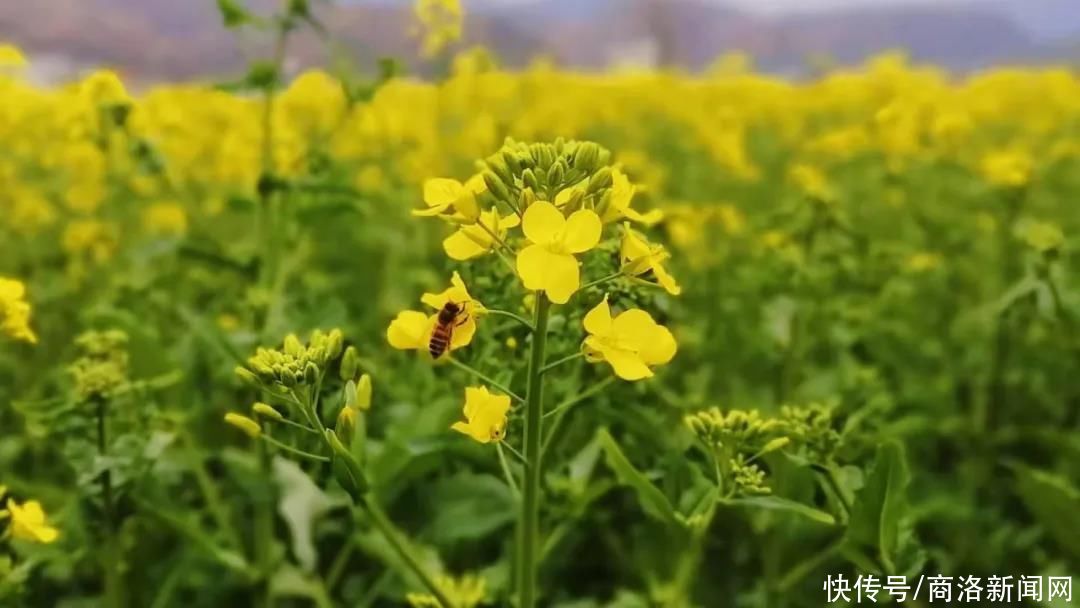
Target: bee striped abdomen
column 440, row 341
column 444, row 329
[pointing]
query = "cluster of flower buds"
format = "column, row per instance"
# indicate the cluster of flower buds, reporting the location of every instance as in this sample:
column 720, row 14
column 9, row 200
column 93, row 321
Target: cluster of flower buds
column 102, row 369
column 294, row 364
column 811, row 429
column 735, row 430
column 571, row 173
column 735, row 440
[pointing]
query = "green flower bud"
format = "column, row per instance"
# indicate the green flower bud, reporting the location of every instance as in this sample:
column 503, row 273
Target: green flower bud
column 266, row 411
column 264, row 371
column 311, row 373
column 335, row 343
column 497, row 167
column 245, row 424
column 350, row 364
column 496, row 186
column 363, row 393
column 600, row 180
column 347, row 469
column 293, row 347
column 512, row 163
column 346, row 425
column 528, row 177
column 586, row 157
column 247, row 377
column 557, row 173
column 528, row 197
column 289, row 379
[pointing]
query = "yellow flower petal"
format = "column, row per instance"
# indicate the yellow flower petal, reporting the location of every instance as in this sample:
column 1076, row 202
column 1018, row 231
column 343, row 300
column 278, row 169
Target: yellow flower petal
column 463, row 334
column 542, row 222
column 410, row 330
column 598, row 320
column 460, row 246
column 442, row 192
column 532, row 266
column 562, row 278
column 583, row 229
column 664, row 278
column 626, row 364
column 660, row 348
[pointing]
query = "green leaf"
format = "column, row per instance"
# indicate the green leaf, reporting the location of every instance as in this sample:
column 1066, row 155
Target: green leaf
column 302, row 502
column 470, row 506
column 777, row 503
column 233, row 15
column 880, row 506
column 1053, row 501
column 651, row 498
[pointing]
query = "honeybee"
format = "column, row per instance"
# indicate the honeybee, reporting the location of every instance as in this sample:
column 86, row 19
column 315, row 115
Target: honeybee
column 451, row 315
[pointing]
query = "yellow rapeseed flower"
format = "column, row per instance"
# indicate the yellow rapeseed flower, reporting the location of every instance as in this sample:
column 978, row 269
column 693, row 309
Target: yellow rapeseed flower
column 485, row 414
column 477, row 239
column 28, row 522
column 548, row 262
column 11, row 57
column 632, row 343
column 166, row 219
column 411, row 329
column 1007, row 168
column 922, row 261
column 811, row 182
column 15, row 311
column 639, row 257
column 449, row 197
column 622, row 194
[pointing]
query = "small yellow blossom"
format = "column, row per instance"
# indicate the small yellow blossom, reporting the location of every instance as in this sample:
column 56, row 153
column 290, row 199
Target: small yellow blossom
column 922, row 261
column 811, row 182
column 15, row 311
column 485, row 415
column 477, row 239
column 631, row 343
column 441, row 22
column 1007, row 168
column 165, row 219
column 622, row 194
column 640, row 257
column 28, row 522
column 412, row 330
column 1044, row 237
column 449, row 197
column 548, row 263
column 11, row 57
column 245, row 424
column 94, row 238
column 467, row 592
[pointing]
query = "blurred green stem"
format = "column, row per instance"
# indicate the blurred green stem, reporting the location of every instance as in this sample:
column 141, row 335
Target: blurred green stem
column 529, row 532
column 114, row 578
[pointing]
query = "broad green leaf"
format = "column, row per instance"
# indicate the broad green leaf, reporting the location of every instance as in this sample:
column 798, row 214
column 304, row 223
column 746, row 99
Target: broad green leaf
column 1054, row 502
column 880, row 505
column 302, row 502
column 776, row 503
column 469, row 506
column 651, row 498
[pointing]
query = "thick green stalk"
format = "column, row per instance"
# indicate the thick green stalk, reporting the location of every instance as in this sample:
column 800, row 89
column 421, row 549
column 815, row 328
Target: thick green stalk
column 529, row 534
column 114, row 578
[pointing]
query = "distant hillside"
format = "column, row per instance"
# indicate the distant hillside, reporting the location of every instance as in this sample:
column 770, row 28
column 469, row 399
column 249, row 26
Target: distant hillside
column 182, row 39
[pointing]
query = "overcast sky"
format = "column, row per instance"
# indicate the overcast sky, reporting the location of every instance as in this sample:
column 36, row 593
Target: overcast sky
column 790, row 6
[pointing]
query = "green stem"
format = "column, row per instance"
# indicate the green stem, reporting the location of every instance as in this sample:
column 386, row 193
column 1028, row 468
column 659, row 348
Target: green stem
column 834, row 485
column 294, row 451
column 505, row 313
column 386, row 528
column 264, row 528
column 558, row 362
column 114, row 579
column 476, row 373
column 601, row 280
column 529, row 534
column 510, row 481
